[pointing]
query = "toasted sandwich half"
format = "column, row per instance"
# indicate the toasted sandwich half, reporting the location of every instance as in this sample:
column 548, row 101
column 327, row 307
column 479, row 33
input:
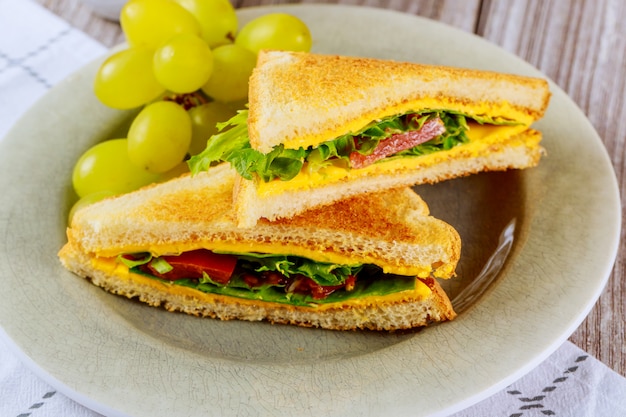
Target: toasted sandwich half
column 320, row 128
column 368, row 262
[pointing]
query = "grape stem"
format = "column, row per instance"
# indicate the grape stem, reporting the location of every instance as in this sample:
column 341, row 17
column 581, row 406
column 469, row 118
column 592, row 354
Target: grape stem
column 188, row 100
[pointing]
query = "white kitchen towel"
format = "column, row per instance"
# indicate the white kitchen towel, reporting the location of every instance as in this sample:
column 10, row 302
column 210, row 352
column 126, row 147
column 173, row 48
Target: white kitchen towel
column 570, row 383
column 23, row 394
column 37, row 49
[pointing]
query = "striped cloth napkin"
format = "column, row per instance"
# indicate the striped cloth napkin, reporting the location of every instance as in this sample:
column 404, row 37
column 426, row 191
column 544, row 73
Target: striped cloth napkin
column 37, row 49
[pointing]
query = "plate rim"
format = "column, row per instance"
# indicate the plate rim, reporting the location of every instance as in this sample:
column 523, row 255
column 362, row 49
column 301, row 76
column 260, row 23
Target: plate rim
column 538, row 358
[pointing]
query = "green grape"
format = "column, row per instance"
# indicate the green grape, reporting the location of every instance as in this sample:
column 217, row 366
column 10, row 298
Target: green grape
column 280, row 31
column 183, row 64
column 152, row 22
column 159, row 137
column 217, row 18
column 106, row 167
column 204, row 119
column 126, row 80
column 87, row 200
column 232, row 67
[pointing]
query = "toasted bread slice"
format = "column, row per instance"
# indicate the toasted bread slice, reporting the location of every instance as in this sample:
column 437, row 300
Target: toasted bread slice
column 300, row 99
column 391, row 229
column 425, row 305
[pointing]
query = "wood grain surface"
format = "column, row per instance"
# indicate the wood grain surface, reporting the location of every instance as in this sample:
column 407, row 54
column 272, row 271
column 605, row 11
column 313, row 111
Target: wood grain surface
column 579, row 44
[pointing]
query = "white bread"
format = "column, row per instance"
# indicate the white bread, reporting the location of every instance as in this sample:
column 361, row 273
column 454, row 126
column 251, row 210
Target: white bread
column 303, row 99
column 392, row 229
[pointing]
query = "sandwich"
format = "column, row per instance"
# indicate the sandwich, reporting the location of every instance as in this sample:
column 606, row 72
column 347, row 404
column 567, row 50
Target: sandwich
column 320, row 128
column 366, row 262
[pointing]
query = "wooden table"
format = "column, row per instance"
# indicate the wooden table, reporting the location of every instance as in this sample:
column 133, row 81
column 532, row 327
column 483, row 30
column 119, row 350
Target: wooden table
column 580, row 44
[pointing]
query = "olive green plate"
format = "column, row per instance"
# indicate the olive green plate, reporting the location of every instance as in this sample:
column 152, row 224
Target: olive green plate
column 538, row 247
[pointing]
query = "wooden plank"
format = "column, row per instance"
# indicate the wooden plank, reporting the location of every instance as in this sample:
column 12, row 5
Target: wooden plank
column 81, row 17
column 581, row 45
column 462, row 14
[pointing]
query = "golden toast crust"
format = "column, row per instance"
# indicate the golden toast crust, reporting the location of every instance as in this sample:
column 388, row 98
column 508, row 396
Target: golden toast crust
column 303, row 99
column 391, row 229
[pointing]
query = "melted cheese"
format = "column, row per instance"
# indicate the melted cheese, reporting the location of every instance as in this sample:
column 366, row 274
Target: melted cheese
column 481, row 137
column 423, row 271
column 502, row 110
column 122, row 273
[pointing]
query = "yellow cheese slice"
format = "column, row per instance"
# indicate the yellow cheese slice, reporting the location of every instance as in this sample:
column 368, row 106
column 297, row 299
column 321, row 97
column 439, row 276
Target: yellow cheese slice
column 277, row 249
column 111, row 267
column 480, row 137
column 504, row 111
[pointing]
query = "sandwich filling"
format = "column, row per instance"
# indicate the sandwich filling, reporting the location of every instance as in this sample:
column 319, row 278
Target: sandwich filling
column 276, row 278
column 411, row 134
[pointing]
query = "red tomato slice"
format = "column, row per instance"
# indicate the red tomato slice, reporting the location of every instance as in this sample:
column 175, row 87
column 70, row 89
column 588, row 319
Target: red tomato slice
column 192, row 264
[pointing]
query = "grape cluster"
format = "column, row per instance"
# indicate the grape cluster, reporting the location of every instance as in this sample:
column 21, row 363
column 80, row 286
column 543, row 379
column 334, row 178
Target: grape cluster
column 187, row 68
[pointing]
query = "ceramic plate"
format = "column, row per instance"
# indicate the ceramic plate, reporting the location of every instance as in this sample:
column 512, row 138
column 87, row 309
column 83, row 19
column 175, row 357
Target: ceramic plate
column 538, row 247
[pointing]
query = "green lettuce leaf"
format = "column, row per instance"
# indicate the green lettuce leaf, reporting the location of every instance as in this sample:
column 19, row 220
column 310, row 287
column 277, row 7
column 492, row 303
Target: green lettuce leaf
column 222, row 145
column 233, row 145
column 280, row 163
column 137, row 259
column 161, row 265
column 371, row 279
column 367, row 285
column 322, row 273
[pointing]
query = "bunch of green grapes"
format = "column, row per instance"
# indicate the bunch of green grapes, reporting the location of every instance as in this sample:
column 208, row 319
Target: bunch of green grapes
column 187, row 68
